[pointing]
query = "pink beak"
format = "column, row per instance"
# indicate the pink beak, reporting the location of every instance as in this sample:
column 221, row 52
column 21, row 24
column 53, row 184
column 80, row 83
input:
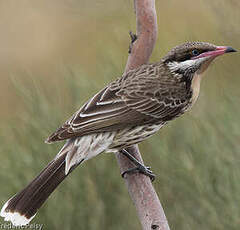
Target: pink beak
column 219, row 51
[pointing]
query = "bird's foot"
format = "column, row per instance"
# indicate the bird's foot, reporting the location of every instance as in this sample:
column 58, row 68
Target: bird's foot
column 139, row 166
column 140, row 169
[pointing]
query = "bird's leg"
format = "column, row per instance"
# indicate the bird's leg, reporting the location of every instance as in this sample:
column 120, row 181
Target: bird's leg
column 139, row 166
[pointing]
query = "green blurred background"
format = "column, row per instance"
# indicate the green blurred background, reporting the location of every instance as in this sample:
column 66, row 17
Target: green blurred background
column 55, row 54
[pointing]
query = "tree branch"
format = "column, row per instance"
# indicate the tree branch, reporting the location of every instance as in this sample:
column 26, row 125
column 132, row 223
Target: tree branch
column 139, row 186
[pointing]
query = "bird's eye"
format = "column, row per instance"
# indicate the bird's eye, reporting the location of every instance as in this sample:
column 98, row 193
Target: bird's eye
column 195, row 52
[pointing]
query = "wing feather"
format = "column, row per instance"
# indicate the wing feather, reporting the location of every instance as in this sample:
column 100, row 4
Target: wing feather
column 135, row 99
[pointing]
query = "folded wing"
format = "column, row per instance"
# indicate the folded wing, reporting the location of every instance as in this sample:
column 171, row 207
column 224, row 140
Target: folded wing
column 133, row 100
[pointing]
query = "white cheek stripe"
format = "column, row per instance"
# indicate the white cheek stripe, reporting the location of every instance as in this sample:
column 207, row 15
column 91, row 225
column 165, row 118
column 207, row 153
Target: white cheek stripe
column 184, row 65
column 181, row 65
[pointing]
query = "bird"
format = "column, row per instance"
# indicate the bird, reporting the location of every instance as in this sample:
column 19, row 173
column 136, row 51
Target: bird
column 124, row 113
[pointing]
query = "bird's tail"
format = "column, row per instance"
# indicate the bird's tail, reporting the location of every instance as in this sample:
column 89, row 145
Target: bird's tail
column 22, row 207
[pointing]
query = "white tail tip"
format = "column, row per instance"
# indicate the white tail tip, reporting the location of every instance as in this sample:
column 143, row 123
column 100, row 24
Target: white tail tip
column 16, row 218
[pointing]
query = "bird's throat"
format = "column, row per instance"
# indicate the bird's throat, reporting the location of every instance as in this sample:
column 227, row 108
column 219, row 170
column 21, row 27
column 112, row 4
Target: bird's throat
column 195, row 87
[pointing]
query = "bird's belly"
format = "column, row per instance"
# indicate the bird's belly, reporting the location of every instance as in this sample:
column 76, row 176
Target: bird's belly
column 133, row 135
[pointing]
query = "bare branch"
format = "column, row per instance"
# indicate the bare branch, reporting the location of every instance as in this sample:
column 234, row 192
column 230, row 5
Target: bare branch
column 139, row 186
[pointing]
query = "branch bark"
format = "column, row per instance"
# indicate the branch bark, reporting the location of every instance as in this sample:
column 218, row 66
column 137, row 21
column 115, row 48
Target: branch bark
column 139, row 186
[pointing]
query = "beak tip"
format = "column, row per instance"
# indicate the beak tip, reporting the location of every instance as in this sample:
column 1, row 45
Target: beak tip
column 229, row 49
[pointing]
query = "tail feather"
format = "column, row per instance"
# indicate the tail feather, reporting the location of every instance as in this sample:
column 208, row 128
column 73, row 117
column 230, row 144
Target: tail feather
column 22, row 207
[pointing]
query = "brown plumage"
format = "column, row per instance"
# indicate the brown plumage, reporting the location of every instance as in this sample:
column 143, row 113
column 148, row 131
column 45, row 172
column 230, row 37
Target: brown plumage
column 143, row 96
column 124, row 113
column 147, row 95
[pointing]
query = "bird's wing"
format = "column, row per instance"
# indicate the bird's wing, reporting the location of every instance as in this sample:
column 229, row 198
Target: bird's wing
column 126, row 102
column 104, row 112
column 162, row 99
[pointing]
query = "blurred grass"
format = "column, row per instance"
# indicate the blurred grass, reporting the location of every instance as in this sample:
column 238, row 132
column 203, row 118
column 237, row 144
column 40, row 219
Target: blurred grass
column 196, row 157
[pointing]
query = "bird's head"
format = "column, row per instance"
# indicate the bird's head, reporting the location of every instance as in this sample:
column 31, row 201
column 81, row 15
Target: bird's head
column 193, row 57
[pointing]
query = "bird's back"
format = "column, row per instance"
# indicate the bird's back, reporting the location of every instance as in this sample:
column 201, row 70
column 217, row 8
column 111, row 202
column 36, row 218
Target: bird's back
column 144, row 96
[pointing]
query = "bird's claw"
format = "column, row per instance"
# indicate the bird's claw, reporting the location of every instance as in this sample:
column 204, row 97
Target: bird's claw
column 141, row 169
